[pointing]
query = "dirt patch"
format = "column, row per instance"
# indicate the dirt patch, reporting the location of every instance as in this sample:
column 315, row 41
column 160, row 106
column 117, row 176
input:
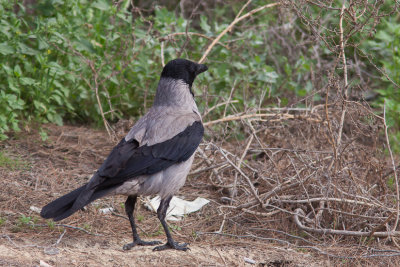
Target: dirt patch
column 81, row 252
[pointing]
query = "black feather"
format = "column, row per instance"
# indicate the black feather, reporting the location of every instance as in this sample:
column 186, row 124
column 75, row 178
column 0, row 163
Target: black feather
column 61, row 205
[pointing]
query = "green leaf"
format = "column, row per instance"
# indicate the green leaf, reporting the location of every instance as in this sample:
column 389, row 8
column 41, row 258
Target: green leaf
column 269, row 77
column 19, row 104
column 17, row 70
column 42, row 44
column 57, row 98
column 85, row 45
column 239, row 65
column 102, row 5
column 5, row 49
column 204, row 25
column 58, row 119
column 164, row 17
column 39, row 106
column 114, row 80
column 27, row 81
column 14, row 126
column 43, row 135
column 50, row 117
column 5, row 29
column 384, row 36
column 8, row 70
column 24, row 49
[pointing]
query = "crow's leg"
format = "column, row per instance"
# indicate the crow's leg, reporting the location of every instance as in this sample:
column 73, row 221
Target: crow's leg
column 129, row 208
column 171, row 244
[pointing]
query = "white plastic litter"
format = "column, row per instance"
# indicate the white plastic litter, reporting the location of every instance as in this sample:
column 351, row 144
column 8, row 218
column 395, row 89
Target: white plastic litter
column 177, row 207
column 106, row 210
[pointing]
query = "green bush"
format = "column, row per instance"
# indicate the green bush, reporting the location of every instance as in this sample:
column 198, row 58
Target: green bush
column 52, row 61
column 386, row 52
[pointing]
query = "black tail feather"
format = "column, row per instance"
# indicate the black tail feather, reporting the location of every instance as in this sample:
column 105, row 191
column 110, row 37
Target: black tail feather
column 61, row 207
column 68, row 204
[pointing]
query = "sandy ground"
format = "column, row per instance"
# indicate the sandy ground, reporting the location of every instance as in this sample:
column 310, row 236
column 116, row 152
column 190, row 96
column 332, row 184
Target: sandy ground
column 103, row 252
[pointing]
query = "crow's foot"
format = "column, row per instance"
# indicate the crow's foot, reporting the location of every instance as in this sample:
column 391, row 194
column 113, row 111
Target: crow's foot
column 172, row 245
column 140, row 242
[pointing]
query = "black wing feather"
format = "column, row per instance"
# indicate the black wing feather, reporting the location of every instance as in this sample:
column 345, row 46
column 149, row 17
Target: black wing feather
column 127, row 160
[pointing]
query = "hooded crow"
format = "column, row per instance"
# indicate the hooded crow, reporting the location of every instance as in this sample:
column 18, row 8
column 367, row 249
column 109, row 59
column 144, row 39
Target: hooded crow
column 153, row 158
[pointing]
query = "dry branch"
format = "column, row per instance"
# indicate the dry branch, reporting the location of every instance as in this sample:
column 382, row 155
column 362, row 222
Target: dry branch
column 170, row 36
column 235, row 21
column 345, row 89
column 276, row 117
column 111, row 134
column 332, row 199
column 339, row 232
column 394, row 169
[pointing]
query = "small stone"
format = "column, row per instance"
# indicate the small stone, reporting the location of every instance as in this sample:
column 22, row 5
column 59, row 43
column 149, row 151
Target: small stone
column 51, row 251
column 35, row 209
column 251, row 261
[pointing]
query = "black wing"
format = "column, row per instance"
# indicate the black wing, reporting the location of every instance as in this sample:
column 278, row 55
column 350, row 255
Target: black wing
column 128, row 160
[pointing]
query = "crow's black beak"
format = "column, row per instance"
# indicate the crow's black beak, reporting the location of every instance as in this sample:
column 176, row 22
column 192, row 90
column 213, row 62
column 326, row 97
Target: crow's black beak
column 201, row 68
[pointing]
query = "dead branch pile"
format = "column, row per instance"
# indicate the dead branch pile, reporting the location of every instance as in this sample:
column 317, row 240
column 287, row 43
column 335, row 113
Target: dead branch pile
column 290, row 169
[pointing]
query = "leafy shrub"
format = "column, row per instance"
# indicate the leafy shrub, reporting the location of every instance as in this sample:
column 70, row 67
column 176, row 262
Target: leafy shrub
column 53, row 62
column 385, row 48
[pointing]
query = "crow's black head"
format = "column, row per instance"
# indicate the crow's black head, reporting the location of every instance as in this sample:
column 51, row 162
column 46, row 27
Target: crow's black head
column 183, row 69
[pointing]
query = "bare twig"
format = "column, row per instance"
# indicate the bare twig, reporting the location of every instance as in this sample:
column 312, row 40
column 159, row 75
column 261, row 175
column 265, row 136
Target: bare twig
column 162, row 54
column 393, row 253
column 330, row 199
column 219, row 105
column 343, row 54
column 235, row 21
column 259, row 115
column 61, row 236
column 209, row 163
column 169, row 36
column 394, row 169
column 240, row 163
column 339, row 232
